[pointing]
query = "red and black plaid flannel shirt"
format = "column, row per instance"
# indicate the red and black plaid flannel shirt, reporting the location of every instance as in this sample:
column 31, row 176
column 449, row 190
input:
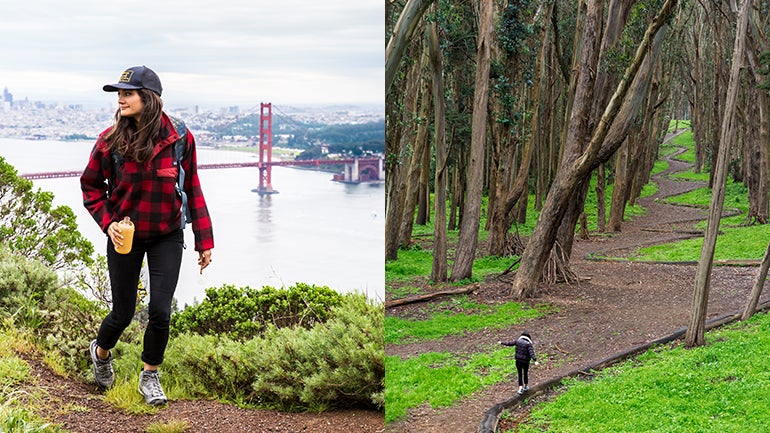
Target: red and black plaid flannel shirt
column 145, row 192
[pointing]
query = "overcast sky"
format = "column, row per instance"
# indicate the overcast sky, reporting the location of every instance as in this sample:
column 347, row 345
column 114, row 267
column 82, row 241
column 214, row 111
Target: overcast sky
column 210, row 53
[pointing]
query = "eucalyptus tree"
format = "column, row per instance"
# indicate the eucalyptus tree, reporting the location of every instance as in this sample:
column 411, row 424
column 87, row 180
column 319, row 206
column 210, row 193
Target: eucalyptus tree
column 587, row 145
column 695, row 332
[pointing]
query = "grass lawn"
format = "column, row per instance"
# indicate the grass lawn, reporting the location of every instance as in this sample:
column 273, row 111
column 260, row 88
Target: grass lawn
column 440, row 379
column 471, row 317
column 721, row 387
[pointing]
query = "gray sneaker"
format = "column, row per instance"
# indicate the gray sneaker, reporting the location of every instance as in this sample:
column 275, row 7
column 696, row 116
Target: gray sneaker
column 103, row 373
column 149, row 387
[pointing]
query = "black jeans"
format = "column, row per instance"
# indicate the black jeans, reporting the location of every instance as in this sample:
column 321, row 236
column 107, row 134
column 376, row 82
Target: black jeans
column 164, row 258
column 522, row 369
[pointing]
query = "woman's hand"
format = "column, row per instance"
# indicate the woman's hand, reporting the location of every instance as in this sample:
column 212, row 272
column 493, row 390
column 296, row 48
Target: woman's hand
column 113, row 231
column 204, row 259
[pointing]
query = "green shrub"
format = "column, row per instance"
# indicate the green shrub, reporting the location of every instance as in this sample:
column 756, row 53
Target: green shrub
column 60, row 318
column 32, row 227
column 339, row 363
column 70, row 322
column 23, row 284
column 242, row 313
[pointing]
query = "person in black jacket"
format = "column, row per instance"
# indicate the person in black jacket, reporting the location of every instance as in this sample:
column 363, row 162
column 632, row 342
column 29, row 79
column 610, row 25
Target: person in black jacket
column 525, row 352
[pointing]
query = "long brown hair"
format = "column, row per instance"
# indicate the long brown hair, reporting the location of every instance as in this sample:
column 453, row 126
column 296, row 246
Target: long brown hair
column 133, row 143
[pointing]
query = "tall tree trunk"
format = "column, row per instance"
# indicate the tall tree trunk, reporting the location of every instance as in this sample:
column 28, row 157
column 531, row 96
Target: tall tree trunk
column 618, row 204
column 695, row 332
column 756, row 289
column 544, row 235
column 416, row 162
column 423, row 199
column 469, row 226
column 396, row 195
column 600, row 147
column 758, row 195
column 601, row 208
column 439, row 269
column 405, row 27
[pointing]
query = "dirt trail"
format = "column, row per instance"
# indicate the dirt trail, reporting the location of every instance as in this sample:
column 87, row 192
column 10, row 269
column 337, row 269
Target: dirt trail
column 79, row 408
column 619, row 305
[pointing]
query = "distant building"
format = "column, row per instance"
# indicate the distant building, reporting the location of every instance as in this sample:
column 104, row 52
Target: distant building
column 7, row 96
column 7, row 100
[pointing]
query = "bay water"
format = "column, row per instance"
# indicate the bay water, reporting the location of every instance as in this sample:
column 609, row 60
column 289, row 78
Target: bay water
column 313, row 231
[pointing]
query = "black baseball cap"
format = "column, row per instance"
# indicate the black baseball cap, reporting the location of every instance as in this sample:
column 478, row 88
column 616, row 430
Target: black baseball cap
column 137, row 77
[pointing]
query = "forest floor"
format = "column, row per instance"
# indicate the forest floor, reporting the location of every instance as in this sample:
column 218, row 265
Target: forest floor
column 79, row 407
column 616, row 306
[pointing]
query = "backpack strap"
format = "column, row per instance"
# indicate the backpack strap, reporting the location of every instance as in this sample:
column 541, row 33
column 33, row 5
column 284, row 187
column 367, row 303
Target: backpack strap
column 117, row 159
column 179, row 150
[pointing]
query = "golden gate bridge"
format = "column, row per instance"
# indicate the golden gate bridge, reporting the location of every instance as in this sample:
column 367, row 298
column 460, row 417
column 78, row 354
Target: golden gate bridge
column 356, row 170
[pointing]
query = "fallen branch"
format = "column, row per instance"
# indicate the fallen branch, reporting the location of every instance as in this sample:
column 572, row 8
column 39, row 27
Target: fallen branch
column 429, row 296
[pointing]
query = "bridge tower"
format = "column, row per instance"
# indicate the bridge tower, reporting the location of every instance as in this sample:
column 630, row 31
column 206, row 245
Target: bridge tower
column 265, row 149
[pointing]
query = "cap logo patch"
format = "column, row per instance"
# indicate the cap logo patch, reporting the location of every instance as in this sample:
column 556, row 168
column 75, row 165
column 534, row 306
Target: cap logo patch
column 126, row 76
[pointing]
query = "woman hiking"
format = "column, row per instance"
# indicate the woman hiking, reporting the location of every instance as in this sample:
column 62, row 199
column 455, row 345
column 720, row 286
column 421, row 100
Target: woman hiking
column 143, row 167
column 525, row 351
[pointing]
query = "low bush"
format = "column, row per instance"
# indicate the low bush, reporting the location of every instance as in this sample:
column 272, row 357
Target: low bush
column 339, row 363
column 60, row 318
column 243, row 313
column 23, row 285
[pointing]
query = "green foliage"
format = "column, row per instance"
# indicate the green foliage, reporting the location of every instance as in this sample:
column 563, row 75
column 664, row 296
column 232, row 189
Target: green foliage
column 348, row 139
column 515, row 28
column 468, row 317
column 338, row 363
column 94, row 280
column 69, row 323
column 32, row 227
column 13, row 370
column 60, row 318
column 722, row 386
column 620, row 56
column 242, row 313
column 23, row 284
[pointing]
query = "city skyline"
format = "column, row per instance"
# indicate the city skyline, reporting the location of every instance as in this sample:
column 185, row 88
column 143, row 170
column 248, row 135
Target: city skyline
column 234, row 53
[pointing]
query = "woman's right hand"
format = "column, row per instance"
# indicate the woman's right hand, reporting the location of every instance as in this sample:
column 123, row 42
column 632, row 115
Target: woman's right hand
column 113, row 231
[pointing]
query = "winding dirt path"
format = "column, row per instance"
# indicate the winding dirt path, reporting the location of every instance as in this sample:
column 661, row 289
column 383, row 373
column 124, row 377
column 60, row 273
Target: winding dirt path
column 619, row 305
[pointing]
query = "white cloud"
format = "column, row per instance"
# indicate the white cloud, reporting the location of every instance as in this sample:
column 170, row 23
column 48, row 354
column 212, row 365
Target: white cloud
column 222, row 53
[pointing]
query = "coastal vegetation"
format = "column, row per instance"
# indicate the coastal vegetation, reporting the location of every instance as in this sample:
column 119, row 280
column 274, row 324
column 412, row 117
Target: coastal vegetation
column 298, row 348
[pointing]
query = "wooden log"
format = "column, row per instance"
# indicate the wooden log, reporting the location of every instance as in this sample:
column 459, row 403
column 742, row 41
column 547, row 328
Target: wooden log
column 429, row 296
